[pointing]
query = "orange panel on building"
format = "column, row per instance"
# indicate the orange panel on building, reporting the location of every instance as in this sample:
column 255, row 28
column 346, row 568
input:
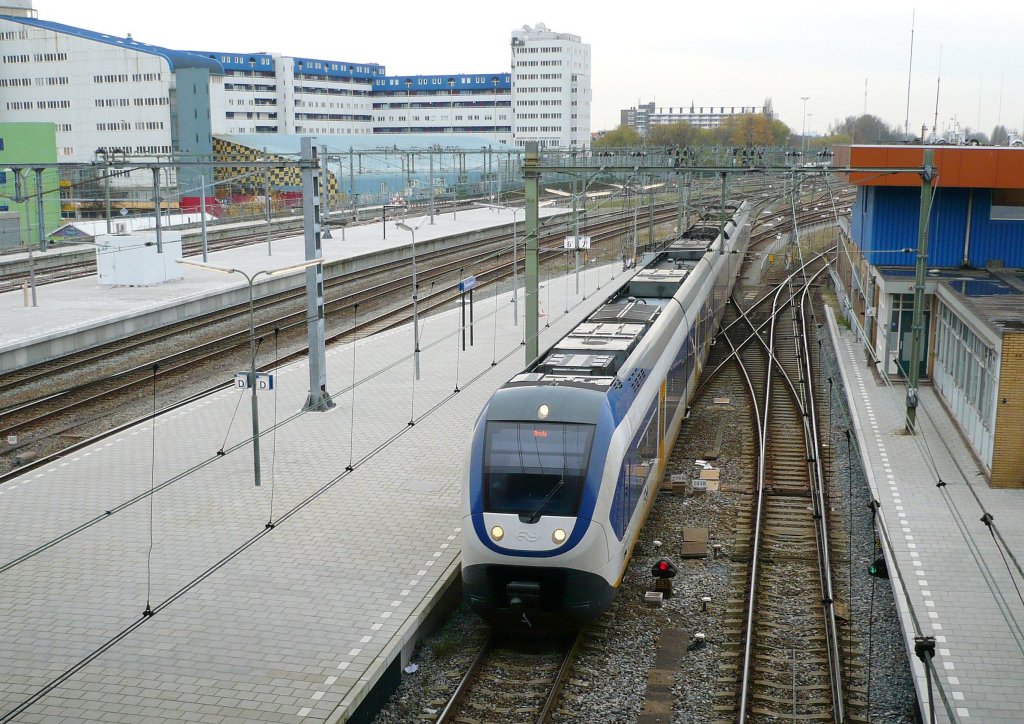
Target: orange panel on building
column 958, row 166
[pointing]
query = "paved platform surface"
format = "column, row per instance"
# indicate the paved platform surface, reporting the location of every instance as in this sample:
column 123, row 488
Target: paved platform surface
column 254, row 624
column 250, row 623
column 69, row 306
column 957, row 586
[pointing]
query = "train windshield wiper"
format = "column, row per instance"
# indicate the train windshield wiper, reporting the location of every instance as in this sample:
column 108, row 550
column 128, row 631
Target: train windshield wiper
column 535, row 515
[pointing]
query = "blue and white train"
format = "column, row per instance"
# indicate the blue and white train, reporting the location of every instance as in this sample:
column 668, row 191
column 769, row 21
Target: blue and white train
column 567, row 456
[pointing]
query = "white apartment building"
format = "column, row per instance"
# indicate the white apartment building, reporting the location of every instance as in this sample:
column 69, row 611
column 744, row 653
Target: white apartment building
column 551, row 93
column 111, row 95
column 645, row 116
column 460, row 103
column 102, row 92
column 272, row 93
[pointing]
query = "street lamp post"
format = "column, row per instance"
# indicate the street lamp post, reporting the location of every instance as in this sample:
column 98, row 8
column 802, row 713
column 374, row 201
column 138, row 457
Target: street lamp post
column 803, row 132
column 251, row 278
column 515, row 256
column 415, row 297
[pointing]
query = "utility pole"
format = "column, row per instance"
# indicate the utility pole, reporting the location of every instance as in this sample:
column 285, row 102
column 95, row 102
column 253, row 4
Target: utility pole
column 319, row 399
column 156, row 207
column 40, row 215
column 917, row 327
column 532, row 184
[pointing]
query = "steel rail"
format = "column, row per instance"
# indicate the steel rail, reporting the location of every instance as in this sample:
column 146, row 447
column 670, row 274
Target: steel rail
column 812, row 433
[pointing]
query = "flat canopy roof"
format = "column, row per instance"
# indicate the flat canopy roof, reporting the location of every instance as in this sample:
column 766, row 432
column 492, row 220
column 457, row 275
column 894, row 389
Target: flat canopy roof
column 976, row 167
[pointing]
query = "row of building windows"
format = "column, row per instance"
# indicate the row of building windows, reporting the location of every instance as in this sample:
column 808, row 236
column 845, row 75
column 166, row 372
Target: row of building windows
column 331, row 79
column 540, row 129
column 149, row 125
column 28, row 105
column 64, row 128
column 112, row 102
column 543, row 89
column 14, row 35
column 152, row 149
column 541, row 142
column 17, row 58
column 443, row 104
column 260, row 116
column 136, row 77
column 251, row 87
column 49, row 57
column 330, row 117
column 114, row 126
column 971, row 363
column 348, row 131
column 113, row 78
column 436, row 119
column 161, row 101
column 301, row 89
column 22, row 82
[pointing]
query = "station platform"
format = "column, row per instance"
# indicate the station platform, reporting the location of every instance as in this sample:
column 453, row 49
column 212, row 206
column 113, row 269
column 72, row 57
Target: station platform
column 950, row 578
column 249, row 622
column 77, row 314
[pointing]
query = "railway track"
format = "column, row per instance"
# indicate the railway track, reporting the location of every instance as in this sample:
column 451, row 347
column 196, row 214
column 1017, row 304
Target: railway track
column 512, row 681
column 357, row 304
column 783, row 631
column 118, row 368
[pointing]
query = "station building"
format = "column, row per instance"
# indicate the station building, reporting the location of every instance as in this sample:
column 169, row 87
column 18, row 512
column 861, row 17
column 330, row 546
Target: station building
column 974, row 293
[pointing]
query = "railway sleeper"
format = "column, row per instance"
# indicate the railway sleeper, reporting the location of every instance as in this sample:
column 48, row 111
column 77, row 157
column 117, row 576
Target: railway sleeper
column 790, row 716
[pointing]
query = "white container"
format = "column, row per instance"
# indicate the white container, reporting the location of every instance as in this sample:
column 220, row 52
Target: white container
column 131, row 260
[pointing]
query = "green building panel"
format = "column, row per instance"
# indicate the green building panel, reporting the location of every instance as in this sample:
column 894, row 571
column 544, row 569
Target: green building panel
column 27, row 143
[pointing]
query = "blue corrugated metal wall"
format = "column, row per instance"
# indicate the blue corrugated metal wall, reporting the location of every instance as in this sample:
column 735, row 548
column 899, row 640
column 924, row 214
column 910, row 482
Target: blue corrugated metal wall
column 990, row 240
column 885, row 221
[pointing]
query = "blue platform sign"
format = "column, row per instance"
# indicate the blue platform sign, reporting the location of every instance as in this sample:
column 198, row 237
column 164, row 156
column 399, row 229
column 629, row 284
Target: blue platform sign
column 466, row 284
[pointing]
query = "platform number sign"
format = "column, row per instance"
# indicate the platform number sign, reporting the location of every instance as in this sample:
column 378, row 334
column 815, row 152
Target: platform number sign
column 264, row 381
column 577, row 242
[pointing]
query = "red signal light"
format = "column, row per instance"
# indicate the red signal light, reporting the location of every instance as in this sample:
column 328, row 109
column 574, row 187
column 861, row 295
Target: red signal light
column 664, row 568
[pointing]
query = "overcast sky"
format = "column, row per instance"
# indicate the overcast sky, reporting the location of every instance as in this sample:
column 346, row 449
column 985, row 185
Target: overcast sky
column 710, row 53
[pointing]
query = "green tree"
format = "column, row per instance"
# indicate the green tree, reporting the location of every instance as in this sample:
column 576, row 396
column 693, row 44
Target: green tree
column 780, row 133
column 867, row 129
column 748, row 129
column 673, row 134
column 621, row 137
column 1000, row 136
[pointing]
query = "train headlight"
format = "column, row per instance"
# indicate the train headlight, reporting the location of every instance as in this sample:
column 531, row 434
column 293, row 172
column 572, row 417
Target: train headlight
column 542, row 412
column 497, row 532
column 558, row 536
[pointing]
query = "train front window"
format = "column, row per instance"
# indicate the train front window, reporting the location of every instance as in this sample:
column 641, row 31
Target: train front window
column 535, row 469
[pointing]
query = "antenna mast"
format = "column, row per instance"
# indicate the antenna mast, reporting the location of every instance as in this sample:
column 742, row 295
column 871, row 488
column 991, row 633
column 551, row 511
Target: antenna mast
column 938, row 82
column 910, row 67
